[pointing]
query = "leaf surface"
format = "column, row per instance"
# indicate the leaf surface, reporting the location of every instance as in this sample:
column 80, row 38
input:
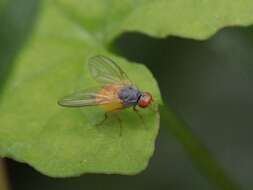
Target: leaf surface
column 63, row 141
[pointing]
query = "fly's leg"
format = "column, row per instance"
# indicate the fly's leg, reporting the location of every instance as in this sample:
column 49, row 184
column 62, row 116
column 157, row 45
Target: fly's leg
column 120, row 124
column 102, row 122
column 154, row 110
column 138, row 113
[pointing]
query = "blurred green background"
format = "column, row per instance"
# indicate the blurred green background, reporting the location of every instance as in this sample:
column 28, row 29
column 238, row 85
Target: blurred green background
column 208, row 83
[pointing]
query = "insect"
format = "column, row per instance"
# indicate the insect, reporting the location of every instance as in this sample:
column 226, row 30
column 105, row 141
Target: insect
column 116, row 91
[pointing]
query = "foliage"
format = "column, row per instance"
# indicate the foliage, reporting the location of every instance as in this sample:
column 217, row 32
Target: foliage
column 64, row 142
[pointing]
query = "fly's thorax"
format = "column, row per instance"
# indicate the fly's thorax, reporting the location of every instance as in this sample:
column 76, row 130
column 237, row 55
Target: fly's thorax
column 129, row 95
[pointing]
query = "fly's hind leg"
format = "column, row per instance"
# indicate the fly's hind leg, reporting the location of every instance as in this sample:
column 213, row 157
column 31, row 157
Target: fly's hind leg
column 120, row 124
column 103, row 121
column 138, row 113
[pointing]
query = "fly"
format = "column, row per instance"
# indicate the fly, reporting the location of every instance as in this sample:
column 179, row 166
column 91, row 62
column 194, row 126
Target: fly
column 116, row 91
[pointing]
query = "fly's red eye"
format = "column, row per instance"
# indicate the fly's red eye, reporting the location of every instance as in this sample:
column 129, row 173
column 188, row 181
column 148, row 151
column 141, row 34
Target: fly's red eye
column 145, row 100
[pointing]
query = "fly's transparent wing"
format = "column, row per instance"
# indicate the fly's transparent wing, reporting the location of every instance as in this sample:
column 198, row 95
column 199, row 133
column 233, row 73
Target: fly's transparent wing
column 105, row 71
column 89, row 97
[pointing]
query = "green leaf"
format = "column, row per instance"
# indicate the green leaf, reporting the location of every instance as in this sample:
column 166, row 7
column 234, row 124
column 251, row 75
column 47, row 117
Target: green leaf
column 62, row 141
column 198, row 19
column 2, row 4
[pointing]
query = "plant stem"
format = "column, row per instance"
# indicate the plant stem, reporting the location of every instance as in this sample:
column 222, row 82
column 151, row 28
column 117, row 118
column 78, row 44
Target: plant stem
column 3, row 177
column 200, row 156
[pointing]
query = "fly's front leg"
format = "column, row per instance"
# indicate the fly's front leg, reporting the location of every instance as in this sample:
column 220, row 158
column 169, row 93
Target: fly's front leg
column 152, row 109
column 138, row 113
column 102, row 122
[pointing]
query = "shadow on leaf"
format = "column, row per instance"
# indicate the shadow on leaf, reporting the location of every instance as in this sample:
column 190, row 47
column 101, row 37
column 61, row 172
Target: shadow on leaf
column 16, row 20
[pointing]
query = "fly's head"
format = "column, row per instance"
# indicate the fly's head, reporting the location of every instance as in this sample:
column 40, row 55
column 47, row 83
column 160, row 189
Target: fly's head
column 145, row 99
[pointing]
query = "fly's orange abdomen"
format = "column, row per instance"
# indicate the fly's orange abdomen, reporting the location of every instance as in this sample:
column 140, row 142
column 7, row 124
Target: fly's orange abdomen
column 112, row 101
